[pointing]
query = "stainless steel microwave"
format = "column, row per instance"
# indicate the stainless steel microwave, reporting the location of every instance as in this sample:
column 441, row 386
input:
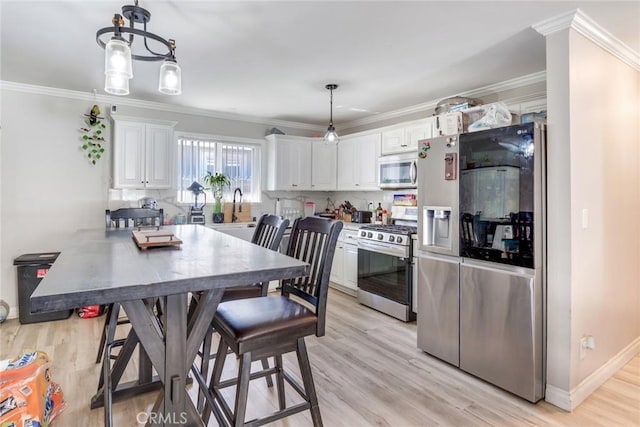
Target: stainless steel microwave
column 398, row 171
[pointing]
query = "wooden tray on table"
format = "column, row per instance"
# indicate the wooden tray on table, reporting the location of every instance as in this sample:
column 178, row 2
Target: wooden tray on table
column 154, row 238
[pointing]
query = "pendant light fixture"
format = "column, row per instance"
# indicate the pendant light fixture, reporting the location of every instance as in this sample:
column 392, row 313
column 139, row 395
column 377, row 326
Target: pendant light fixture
column 118, row 58
column 331, row 137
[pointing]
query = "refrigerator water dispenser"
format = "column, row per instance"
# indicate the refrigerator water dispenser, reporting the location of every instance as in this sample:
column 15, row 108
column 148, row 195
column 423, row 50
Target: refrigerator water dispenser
column 437, row 222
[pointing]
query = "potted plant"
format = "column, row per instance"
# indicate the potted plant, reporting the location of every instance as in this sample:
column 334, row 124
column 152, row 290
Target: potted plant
column 217, row 182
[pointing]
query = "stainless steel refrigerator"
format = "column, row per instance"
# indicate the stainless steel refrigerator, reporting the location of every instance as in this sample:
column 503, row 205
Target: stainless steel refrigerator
column 481, row 271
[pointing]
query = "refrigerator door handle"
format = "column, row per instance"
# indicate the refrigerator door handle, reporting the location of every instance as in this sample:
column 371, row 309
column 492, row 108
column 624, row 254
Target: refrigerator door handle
column 501, row 268
column 439, row 257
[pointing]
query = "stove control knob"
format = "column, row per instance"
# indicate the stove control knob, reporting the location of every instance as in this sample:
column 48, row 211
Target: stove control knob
column 399, row 240
column 369, row 234
column 392, row 238
column 363, row 234
column 380, row 236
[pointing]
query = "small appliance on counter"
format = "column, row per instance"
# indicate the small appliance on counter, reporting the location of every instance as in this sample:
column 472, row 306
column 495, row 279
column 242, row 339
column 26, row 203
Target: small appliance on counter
column 309, row 209
column 196, row 212
column 148, row 203
column 361, row 217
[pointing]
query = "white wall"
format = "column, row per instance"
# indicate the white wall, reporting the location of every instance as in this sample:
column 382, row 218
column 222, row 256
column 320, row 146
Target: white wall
column 593, row 169
column 49, row 189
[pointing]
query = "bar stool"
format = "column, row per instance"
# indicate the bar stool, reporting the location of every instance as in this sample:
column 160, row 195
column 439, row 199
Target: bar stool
column 268, row 233
column 256, row 328
column 119, row 219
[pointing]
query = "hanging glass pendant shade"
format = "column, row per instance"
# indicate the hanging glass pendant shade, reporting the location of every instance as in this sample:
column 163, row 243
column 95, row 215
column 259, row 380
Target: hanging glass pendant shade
column 170, row 82
column 116, row 85
column 331, row 137
column 117, row 59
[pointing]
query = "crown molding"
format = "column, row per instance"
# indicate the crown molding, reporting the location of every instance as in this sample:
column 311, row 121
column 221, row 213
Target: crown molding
column 131, row 102
column 540, row 76
column 584, row 25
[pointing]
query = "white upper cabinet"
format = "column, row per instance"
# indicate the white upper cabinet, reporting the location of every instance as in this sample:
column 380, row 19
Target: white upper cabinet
column 324, row 159
column 143, row 155
column 393, row 141
column 357, row 162
column 404, row 138
column 288, row 163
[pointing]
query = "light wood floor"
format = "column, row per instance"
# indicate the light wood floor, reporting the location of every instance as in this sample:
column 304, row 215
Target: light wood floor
column 367, row 369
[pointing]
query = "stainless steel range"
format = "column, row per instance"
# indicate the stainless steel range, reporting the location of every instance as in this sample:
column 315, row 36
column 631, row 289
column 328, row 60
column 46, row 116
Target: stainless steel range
column 385, row 269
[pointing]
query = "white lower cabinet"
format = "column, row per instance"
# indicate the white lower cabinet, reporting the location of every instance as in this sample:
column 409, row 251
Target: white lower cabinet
column 350, row 279
column 344, row 271
column 337, row 268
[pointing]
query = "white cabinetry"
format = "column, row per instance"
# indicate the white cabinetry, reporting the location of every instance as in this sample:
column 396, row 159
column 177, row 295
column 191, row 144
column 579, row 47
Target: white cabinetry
column 143, row 154
column 337, row 268
column 404, row 138
column 344, row 270
column 324, row 159
column 288, row 163
column 357, row 162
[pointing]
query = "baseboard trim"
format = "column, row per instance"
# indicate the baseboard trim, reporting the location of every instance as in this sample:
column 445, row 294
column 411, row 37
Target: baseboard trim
column 571, row 400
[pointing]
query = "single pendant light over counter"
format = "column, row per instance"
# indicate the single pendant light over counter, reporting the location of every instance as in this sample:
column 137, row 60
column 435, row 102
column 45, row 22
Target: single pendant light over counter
column 118, row 67
column 331, row 136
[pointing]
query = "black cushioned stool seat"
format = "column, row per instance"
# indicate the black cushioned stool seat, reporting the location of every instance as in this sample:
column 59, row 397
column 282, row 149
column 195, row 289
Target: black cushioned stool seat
column 248, row 322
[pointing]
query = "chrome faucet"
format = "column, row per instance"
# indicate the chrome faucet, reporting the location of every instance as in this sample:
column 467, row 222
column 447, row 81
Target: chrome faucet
column 234, row 218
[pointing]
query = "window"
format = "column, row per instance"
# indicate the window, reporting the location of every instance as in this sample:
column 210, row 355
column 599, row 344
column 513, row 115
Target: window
column 239, row 161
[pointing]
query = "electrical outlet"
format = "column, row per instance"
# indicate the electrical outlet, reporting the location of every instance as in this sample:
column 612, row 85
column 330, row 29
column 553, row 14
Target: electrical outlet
column 587, row 342
column 591, row 342
column 583, row 347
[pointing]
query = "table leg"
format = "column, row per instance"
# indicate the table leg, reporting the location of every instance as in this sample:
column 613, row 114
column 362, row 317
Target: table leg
column 172, row 349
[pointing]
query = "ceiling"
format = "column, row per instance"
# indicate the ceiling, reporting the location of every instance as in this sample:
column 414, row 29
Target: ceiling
column 272, row 59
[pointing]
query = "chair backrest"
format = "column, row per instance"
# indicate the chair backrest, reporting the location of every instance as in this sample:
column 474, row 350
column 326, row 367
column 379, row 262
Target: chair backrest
column 466, row 230
column 133, row 217
column 269, row 231
column 313, row 240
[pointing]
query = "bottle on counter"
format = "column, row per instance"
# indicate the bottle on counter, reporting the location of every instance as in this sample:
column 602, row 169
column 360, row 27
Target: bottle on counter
column 385, row 216
column 379, row 213
column 278, row 207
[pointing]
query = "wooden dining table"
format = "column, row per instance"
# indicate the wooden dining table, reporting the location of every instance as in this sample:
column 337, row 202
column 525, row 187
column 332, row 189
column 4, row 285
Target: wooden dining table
column 107, row 266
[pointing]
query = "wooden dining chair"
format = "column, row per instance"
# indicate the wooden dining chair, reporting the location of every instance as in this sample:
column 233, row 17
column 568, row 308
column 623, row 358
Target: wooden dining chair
column 256, row 328
column 268, row 234
column 119, row 219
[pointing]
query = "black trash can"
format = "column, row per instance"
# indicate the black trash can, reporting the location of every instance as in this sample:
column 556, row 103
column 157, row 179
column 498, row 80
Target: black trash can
column 31, row 269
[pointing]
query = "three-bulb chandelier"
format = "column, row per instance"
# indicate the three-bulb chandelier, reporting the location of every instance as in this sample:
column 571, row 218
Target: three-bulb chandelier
column 331, row 136
column 118, row 69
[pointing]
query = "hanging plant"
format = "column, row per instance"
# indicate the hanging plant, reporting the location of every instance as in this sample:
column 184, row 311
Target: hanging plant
column 93, row 137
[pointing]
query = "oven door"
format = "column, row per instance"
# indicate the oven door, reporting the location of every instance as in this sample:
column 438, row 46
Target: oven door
column 385, row 275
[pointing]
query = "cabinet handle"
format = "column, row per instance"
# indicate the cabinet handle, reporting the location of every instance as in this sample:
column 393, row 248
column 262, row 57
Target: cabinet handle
column 294, row 185
column 357, row 185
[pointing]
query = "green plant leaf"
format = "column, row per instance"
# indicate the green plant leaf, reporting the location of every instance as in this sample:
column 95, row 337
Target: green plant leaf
column 93, row 161
column 85, row 146
column 85, row 137
column 98, row 132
